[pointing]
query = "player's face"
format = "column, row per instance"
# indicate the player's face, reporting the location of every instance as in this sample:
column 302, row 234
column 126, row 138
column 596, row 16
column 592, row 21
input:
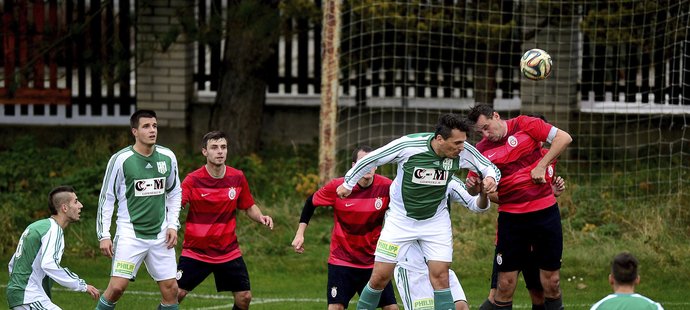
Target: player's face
column 73, row 208
column 452, row 146
column 147, row 132
column 216, row 152
column 490, row 127
column 371, row 172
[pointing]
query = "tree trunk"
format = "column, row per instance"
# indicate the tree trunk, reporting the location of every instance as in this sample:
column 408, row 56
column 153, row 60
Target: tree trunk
column 252, row 29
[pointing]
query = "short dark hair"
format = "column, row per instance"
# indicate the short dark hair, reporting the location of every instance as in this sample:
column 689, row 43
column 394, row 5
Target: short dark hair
column 448, row 122
column 624, row 268
column 363, row 148
column 134, row 120
column 213, row 135
column 55, row 200
column 480, row 109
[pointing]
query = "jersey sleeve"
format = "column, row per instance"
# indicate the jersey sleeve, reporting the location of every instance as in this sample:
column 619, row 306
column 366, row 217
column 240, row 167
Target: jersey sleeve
column 246, row 200
column 106, row 202
column 53, row 247
column 173, row 197
column 327, row 195
column 537, row 128
column 383, row 155
column 186, row 190
column 457, row 192
column 475, row 161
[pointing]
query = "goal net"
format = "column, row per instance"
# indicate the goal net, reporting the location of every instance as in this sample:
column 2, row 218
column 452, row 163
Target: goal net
column 620, row 83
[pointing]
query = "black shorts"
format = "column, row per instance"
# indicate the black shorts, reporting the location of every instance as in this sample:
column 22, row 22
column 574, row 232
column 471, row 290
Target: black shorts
column 539, row 231
column 344, row 282
column 230, row 276
column 530, row 272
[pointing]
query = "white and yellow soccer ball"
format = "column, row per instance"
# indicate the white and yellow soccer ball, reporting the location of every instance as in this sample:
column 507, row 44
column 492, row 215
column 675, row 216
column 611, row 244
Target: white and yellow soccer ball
column 535, row 64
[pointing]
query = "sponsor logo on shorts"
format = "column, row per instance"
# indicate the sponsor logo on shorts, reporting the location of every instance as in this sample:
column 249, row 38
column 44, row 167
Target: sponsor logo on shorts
column 423, row 304
column 429, row 176
column 379, row 203
column 123, row 267
column 499, row 259
column 232, row 193
column 149, row 187
column 334, row 291
column 162, row 167
column 512, row 141
column 178, row 275
column 387, row 249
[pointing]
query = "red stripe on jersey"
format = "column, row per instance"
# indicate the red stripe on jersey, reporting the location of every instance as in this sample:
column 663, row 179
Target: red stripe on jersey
column 357, row 221
column 516, row 155
column 211, row 222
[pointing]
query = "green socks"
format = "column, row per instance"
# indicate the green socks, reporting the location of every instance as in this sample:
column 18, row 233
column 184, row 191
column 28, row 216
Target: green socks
column 369, row 298
column 168, row 307
column 443, row 300
column 104, row 304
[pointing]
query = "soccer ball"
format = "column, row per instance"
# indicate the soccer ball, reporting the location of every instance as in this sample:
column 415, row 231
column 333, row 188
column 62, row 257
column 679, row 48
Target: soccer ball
column 535, row 64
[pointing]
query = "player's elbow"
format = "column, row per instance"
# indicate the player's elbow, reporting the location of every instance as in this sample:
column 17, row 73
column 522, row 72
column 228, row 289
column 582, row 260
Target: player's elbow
column 564, row 137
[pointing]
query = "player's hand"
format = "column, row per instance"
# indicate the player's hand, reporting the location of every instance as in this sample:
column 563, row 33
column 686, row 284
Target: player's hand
column 342, row 191
column 95, row 294
column 489, row 185
column 171, row 238
column 266, row 220
column 298, row 244
column 473, row 185
column 558, row 186
column 538, row 174
column 106, row 246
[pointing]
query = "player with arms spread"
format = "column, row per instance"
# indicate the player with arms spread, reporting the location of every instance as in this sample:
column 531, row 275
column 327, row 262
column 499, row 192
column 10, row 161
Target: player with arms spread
column 357, row 225
column 426, row 162
column 529, row 217
column 143, row 179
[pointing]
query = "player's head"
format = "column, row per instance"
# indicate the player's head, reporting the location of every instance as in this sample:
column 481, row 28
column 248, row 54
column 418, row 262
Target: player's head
column 214, row 146
column 62, row 200
column 624, row 269
column 487, row 122
column 450, row 135
column 144, row 126
column 360, row 152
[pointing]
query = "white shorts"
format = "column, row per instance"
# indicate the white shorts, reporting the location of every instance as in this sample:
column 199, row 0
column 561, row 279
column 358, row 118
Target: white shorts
column 130, row 252
column 434, row 236
column 41, row 304
column 416, row 291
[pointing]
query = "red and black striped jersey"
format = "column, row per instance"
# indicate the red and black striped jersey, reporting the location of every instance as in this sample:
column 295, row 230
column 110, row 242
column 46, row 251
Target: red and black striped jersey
column 213, row 203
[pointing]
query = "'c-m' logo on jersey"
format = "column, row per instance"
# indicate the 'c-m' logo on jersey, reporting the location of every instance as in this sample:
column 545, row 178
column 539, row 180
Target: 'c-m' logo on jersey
column 149, row 187
column 429, row 176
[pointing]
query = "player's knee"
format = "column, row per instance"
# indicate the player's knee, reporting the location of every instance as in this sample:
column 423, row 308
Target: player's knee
column 181, row 294
column 506, row 284
column 242, row 299
column 114, row 292
column 461, row 305
column 552, row 284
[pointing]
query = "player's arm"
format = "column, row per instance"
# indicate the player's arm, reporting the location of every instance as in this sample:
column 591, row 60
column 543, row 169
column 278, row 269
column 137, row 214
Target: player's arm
column 173, row 203
column 457, row 192
column 373, row 159
column 52, row 244
column 106, row 204
column 254, row 213
column 305, row 217
column 559, row 140
column 490, row 174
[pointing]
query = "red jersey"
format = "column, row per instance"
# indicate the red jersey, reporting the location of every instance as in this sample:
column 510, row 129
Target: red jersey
column 516, row 155
column 357, row 220
column 210, row 228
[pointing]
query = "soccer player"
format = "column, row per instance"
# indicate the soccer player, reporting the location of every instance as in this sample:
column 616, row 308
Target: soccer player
column 426, row 162
column 411, row 273
column 37, row 258
column 357, row 225
column 214, row 193
column 143, row 179
column 623, row 279
column 529, row 217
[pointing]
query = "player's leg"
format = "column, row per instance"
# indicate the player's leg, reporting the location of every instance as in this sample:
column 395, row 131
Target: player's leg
column 342, row 285
column 513, row 241
column 233, row 277
column 414, row 288
column 457, row 291
column 436, row 241
column 380, row 277
column 488, row 304
column 548, row 249
column 162, row 266
column 129, row 253
column 388, row 301
column 530, row 272
column 190, row 273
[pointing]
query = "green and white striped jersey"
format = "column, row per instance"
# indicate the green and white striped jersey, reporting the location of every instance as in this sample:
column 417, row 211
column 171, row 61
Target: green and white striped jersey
column 419, row 188
column 622, row 301
column 36, row 262
column 147, row 191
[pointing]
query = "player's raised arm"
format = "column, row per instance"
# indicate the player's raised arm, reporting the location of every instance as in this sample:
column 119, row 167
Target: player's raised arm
column 490, row 174
column 457, row 192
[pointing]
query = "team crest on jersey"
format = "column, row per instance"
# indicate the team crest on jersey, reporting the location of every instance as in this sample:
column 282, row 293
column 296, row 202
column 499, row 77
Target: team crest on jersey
column 430, row 176
column 232, row 193
column 178, row 275
column 512, row 141
column 549, row 171
column 499, row 259
column 162, row 167
column 334, row 291
column 379, row 203
column 447, row 164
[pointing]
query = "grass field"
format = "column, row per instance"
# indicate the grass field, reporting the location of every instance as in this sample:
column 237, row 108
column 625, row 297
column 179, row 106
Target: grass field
column 282, row 279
